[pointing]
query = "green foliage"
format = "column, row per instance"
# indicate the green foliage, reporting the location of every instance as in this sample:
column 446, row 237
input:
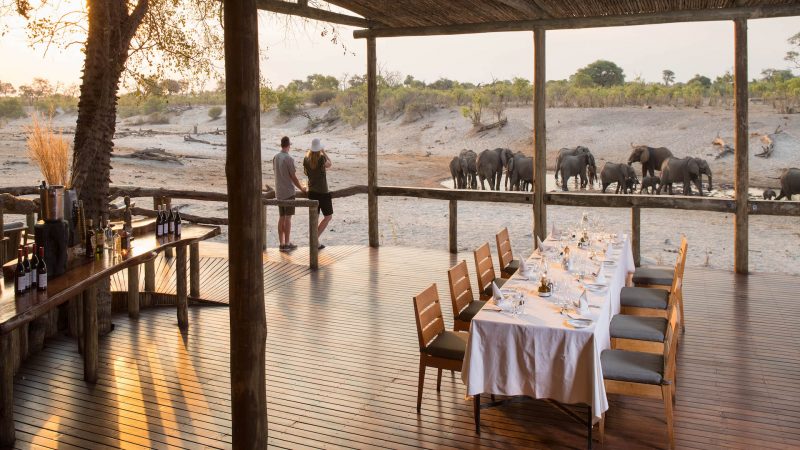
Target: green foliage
column 668, row 76
column 11, row 108
column 321, row 96
column 289, row 102
column 135, row 104
column 56, row 103
column 474, row 111
column 601, row 73
column 701, row 80
column 215, row 112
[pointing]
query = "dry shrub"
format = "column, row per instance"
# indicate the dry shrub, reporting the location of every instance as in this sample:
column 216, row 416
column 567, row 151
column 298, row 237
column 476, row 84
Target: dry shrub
column 48, row 149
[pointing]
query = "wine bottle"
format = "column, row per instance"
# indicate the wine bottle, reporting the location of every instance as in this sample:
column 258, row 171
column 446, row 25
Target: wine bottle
column 90, row 240
column 170, row 223
column 177, row 223
column 34, row 266
column 100, row 238
column 19, row 276
column 41, row 272
column 159, row 223
column 109, row 233
column 26, row 263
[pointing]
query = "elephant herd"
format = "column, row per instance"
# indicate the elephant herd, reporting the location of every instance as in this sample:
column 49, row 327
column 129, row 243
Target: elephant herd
column 579, row 163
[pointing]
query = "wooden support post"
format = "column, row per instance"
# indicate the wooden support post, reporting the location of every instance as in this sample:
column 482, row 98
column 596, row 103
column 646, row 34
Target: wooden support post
column 168, row 201
column 30, row 222
column 133, row 292
column 6, row 392
column 636, row 234
column 248, row 322
column 150, row 276
column 741, row 147
column 313, row 238
column 73, row 313
column 454, row 226
column 2, row 243
column 79, row 305
column 264, row 225
column 539, row 136
column 194, row 270
column 372, row 143
column 90, row 335
column 180, row 276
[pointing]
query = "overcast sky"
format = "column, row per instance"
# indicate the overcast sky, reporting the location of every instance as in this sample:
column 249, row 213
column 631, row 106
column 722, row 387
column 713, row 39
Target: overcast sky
column 687, row 49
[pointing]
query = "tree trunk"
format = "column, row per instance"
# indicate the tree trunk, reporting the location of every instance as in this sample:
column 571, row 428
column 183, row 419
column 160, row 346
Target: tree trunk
column 111, row 29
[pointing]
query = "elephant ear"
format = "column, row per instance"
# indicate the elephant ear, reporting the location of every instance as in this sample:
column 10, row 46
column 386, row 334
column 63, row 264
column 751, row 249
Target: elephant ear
column 645, row 155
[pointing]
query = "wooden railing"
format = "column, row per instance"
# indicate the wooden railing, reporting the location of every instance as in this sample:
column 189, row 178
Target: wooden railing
column 10, row 203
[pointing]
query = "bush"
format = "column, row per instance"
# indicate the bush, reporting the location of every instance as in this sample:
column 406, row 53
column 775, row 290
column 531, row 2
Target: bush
column 288, row 103
column 215, row 112
column 11, row 108
column 154, row 105
column 321, row 96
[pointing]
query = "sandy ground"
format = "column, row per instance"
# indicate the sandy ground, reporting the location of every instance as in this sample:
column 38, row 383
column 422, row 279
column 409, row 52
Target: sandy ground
column 417, row 154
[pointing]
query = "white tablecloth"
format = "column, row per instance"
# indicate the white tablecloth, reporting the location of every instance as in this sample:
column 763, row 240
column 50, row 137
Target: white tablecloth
column 538, row 353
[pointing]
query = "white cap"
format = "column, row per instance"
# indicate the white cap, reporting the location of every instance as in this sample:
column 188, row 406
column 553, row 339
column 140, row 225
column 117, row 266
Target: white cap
column 316, row 145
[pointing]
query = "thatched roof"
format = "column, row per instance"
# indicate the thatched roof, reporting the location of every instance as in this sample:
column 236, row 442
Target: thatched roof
column 418, row 13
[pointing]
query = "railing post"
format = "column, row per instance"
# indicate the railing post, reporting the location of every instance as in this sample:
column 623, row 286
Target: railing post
column 168, row 201
column 372, row 143
column 150, row 276
column 180, row 278
column 90, row 334
column 636, row 234
column 313, row 237
column 264, row 226
column 7, row 429
column 133, row 292
column 454, row 226
column 539, row 136
column 2, row 242
column 741, row 148
column 194, row 270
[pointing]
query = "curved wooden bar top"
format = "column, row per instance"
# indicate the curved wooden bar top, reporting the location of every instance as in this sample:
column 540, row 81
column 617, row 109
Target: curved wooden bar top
column 17, row 310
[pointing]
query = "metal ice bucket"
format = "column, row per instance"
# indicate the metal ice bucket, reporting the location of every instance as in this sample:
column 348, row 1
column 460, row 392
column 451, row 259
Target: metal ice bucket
column 52, row 203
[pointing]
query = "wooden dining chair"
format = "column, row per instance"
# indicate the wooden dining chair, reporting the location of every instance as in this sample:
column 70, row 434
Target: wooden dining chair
column 486, row 275
column 505, row 256
column 658, row 277
column 646, row 333
column 438, row 347
column 646, row 375
column 465, row 307
column 653, row 302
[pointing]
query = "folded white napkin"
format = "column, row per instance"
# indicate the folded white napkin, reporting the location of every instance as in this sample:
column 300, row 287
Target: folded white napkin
column 539, row 246
column 499, row 299
column 555, row 232
column 583, row 303
column 523, row 268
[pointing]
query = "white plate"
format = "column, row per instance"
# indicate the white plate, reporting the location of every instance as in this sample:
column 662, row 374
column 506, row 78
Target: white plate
column 580, row 323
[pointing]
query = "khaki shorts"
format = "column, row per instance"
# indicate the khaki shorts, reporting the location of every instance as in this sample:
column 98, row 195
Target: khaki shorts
column 286, row 210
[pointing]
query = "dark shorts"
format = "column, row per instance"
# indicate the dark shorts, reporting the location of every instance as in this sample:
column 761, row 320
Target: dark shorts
column 325, row 202
column 286, row 210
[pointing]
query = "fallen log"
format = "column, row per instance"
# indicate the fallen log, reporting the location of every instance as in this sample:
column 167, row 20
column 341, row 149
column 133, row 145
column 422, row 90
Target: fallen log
column 152, row 154
column 725, row 149
column 769, row 143
column 500, row 124
column 188, row 138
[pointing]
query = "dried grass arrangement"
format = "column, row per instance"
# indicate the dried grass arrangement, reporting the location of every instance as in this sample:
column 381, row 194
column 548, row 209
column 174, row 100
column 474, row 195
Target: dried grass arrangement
column 50, row 151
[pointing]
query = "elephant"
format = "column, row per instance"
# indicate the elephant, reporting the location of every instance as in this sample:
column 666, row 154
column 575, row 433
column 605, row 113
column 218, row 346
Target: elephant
column 520, row 170
column 569, row 152
column 490, row 166
column 469, row 166
column 769, row 194
column 457, row 173
column 575, row 166
column 622, row 174
column 650, row 184
column 790, row 183
column 650, row 157
column 688, row 170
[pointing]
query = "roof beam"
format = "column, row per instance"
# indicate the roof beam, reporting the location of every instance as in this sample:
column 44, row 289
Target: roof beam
column 701, row 15
column 303, row 10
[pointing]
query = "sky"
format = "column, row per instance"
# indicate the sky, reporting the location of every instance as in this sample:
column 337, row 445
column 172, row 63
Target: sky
column 687, row 49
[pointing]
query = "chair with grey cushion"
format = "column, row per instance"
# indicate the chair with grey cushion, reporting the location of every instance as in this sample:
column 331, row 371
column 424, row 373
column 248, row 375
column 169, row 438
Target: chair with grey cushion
column 465, row 307
column 508, row 265
column 641, row 374
column 658, row 277
column 654, row 302
column 644, row 333
column 486, row 274
column 438, row 347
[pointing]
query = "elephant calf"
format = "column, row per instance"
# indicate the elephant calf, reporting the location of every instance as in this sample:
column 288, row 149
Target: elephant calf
column 790, row 183
column 650, row 184
column 622, row 174
column 769, row 194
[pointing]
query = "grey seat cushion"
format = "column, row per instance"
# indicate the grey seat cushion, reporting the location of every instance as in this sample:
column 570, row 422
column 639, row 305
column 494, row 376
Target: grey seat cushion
column 641, row 328
column 449, row 345
column 469, row 312
column 636, row 367
column 498, row 281
column 638, row 297
column 13, row 226
column 654, row 275
column 512, row 267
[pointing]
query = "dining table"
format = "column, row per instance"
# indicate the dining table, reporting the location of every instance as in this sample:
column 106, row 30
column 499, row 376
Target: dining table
column 545, row 347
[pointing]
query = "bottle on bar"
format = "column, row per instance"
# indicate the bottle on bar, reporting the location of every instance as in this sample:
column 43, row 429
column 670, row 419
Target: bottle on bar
column 170, row 223
column 99, row 239
column 34, row 266
column 89, row 240
column 159, row 223
column 26, row 263
column 20, row 279
column 177, row 223
column 109, row 233
column 74, row 228
column 41, row 272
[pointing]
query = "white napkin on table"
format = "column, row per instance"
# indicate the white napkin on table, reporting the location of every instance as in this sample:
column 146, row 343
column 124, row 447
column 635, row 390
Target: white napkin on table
column 539, row 246
column 583, row 303
column 555, row 232
column 523, row 268
column 499, row 299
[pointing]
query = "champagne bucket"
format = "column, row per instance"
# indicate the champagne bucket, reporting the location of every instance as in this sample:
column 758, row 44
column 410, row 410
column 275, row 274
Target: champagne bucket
column 52, row 203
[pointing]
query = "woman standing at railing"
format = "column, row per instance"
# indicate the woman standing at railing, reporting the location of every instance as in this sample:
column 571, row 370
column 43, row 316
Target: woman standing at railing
column 315, row 165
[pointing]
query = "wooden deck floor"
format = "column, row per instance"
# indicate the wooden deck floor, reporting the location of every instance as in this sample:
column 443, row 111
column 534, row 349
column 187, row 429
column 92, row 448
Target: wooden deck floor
column 342, row 365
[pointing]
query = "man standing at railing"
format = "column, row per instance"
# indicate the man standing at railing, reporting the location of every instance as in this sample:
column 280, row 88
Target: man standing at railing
column 285, row 182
